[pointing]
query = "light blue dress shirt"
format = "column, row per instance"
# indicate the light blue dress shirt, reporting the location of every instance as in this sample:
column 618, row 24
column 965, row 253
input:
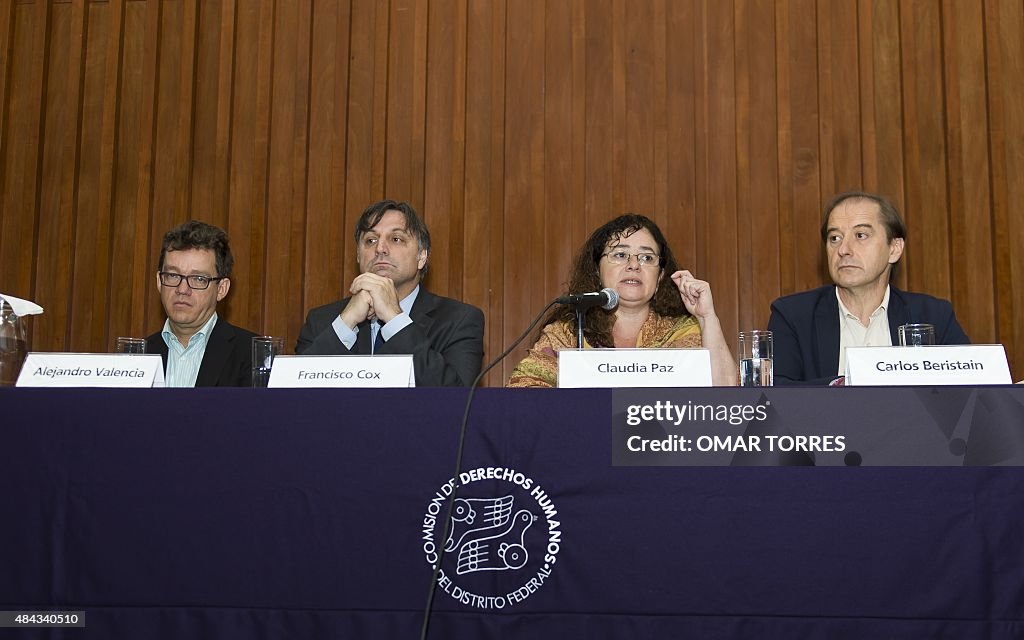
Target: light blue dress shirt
column 183, row 362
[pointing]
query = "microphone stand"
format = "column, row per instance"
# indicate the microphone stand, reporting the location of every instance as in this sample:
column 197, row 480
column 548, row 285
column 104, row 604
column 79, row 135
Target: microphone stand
column 579, row 327
column 458, row 468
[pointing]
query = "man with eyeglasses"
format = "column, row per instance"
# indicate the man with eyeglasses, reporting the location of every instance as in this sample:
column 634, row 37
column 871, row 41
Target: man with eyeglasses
column 390, row 311
column 199, row 349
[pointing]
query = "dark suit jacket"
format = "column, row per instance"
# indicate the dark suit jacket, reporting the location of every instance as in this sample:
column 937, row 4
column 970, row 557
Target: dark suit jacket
column 446, row 339
column 805, row 328
column 227, row 361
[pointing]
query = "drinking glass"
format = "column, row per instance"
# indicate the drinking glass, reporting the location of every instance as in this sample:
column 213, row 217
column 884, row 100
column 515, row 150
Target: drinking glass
column 916, row 335
column 13, row 344
column 130, row 345
column 264, row 349
column 756, row 350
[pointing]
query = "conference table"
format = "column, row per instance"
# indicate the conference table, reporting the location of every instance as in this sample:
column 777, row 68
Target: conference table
column 292, row 513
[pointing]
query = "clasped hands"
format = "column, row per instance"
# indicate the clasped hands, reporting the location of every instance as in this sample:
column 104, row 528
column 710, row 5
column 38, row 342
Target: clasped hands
column 373, row 296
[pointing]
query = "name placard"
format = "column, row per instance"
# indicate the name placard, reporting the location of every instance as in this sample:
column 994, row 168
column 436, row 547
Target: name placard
column 378, row 371
column 634, row 368
column 92, row 370
column 932, row 365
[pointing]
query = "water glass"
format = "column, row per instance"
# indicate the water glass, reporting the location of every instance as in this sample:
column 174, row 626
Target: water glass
column 916, row 335
column 130, row 345
column 756, row 351
column 13, row 344
column 264, row 349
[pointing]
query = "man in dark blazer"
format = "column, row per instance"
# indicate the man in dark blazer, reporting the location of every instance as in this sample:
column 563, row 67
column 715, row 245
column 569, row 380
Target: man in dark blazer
column 390, row 312
column 864, row 241
column 198, row 348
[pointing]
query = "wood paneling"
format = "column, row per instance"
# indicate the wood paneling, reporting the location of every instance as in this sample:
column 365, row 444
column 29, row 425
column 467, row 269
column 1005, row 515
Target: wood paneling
column 1004, row 46
column 515, row 128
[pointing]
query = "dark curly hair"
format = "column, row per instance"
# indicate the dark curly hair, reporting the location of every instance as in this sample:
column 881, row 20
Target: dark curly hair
column 586, row 276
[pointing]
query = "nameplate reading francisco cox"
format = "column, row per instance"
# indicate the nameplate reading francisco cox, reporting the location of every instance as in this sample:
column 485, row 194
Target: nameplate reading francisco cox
column 342, row 371
column 126, row 370
column 634, row 368
column 972, row 364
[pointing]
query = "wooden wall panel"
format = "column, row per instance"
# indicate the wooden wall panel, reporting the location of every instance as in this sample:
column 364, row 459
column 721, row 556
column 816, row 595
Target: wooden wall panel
column 717, row 250
column 563, row 231
column 89, row 301
column 130, row 257
column 636, row 132
column 327, row 235
column 7, row 40
column 659, row 177
column 515, row 128
column 525, row 237
column 56, row 219
column 970, row 230
column 442, row 160
column 208, row 167
column 757, row 174
column 882, row 102
column 22, row 128
column 484, row 171
column 108, row 219
column 1004, row 26
column 800, row 196
column 364, row 180
column 146, row 316
column 286, row 177
column 171, row 135
column 599, row 126
column 406, row 89
column 682, row 29
column 926, row 208
column 249, row 149
column 838, row 97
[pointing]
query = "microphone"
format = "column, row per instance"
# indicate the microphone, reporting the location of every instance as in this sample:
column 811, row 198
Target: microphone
column 606, row 298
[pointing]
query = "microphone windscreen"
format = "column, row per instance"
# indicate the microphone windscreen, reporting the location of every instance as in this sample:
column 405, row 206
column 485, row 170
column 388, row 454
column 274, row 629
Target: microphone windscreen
column 613, row 298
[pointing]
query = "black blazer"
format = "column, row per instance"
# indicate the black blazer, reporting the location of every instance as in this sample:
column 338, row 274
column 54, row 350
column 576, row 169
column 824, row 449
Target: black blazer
column 805, row 329
column 446, row 339
column 227, row 361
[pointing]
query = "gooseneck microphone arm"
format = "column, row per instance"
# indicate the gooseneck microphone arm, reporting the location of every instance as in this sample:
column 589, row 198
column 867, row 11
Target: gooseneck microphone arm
column 458, row 468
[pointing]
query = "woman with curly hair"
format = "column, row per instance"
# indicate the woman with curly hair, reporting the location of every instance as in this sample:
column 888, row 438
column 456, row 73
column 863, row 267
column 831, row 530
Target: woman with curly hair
column 660, row 305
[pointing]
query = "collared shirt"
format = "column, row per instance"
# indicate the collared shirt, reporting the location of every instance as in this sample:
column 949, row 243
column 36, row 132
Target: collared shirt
column 399, row 322
column 852, row 333
column 183, row 362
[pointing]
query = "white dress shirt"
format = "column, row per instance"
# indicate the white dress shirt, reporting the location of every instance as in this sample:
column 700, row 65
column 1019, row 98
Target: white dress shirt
column 852, row 333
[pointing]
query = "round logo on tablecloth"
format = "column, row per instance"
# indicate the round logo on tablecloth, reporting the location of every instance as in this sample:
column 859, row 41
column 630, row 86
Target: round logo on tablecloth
column 504, row 532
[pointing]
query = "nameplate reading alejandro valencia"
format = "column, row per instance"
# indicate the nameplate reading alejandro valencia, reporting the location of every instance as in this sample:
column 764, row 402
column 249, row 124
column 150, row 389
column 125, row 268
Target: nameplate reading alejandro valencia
column 92, row 370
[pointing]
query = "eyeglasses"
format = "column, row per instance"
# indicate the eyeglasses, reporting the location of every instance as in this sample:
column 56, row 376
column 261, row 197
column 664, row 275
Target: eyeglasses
column 168, row 279
column 642, row 259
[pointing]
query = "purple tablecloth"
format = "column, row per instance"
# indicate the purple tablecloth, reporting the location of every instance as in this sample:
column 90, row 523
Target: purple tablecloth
column 314, row 514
